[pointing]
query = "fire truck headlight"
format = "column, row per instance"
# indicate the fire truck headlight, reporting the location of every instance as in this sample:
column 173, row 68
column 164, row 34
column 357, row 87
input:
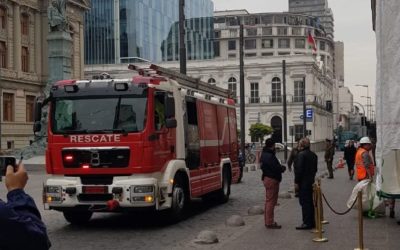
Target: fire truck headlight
column 52, row 194
column 143, row 189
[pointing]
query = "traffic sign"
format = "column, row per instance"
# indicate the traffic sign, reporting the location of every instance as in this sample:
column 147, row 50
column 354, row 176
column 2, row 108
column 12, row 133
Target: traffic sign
column 309, row 113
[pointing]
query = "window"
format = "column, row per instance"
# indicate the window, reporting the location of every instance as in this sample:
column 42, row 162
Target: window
column 25, row 59
column 267, row 54
column 233, row 33
column 159, row 110
column 211, row 80
column 282, row 31
column 3, row 55
column 267, row 31
column 296, row 31
column 266, row 19
column 321, row 45
column 284, row 43
column 232, row 87
column 250, row 44
column 24, row 24
column 298, row 132
column 250, row 20
column 280, row 19
column 267, row 43
column 300, row 43
column 283, row 53
column 3, row 18
column 232, row 45
column 217, row 34
column 276, row 90
column 216, row 48
column 298, row 91
column 30, row 101
column 8, row 107
column 251, row 32
column 254, row 98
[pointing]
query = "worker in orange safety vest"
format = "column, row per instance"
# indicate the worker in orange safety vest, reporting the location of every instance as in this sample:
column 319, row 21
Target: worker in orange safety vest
column 364, row 163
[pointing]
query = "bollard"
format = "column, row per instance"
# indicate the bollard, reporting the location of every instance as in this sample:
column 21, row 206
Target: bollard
column 315, row 202
column 360, row 223
column 318, row 223
column 323, row 221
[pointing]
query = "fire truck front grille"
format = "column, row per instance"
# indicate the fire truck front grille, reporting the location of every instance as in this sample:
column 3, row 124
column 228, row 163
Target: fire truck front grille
column 96, row 157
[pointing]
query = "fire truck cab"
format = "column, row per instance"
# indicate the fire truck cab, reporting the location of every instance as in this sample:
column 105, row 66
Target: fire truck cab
column 154, row 141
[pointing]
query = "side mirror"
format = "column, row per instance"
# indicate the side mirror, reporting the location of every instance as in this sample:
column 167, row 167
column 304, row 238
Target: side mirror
column 38, row 109
column 169, row 107
column 170, row 123
column 37, row 127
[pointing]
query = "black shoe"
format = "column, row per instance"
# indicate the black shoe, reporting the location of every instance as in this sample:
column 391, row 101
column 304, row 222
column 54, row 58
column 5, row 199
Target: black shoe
column 304, row 227
column 330, row 177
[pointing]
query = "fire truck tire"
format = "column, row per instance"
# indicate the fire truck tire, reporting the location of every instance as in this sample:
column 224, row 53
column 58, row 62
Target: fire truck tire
column 77, row 218
column 225, row 191
column 179, row 199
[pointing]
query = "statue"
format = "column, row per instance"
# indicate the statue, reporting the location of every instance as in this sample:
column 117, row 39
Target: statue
column 56, row 13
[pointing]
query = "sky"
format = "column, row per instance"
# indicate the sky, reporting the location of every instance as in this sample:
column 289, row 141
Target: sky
column 353, row 26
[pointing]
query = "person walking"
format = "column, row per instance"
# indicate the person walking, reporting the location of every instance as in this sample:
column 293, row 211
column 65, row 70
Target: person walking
column 329, row 152
column 350, row 157
column 305, row 171
column 364, row 163
column 271, row 176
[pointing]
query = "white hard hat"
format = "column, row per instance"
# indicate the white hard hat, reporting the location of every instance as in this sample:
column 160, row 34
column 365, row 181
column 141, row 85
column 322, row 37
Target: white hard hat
column 365, row 140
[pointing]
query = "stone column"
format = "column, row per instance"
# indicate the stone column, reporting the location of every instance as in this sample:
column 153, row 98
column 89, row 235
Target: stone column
column 17, row 39
column 59, row 47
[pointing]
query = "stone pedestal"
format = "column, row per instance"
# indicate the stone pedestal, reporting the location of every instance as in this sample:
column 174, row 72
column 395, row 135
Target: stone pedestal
column 60, row 56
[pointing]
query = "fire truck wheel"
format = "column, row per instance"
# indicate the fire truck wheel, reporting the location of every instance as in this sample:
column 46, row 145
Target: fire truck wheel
column 225, row 191
column 77, row 218
column 179, row 199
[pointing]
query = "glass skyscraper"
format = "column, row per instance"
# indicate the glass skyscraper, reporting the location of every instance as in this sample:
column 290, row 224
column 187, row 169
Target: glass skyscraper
column 120, row 31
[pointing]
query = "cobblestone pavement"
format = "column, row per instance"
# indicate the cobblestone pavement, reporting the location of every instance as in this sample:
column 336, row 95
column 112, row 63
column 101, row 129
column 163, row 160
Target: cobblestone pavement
column 145, row 231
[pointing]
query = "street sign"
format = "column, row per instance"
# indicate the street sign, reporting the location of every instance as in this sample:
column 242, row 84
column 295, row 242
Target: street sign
column 309, row 114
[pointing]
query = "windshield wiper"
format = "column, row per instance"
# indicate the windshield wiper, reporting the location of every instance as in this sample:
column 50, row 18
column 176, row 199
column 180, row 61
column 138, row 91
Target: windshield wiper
column 107, row 131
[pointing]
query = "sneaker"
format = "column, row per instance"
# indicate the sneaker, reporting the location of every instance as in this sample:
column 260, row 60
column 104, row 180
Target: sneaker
column 273, row 226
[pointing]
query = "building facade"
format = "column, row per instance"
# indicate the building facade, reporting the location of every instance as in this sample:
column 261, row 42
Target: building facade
column 120, row 31
column 24, row 63
column 269, row 39
column 317, row 8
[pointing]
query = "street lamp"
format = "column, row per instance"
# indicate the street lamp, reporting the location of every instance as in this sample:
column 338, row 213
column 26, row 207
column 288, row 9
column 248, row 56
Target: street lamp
column 365, row 86
column 369, row 106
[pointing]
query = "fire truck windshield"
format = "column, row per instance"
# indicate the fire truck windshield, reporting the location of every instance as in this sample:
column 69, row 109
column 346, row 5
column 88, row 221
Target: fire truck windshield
column 109, row 114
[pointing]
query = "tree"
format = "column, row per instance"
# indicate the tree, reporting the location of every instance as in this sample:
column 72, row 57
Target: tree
column 258, row 131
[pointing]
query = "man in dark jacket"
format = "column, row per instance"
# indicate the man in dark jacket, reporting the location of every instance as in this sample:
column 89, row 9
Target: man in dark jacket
column 305, row 171
column 329, row 152
column 271, row 176
column 21, row 227
column 350, row 157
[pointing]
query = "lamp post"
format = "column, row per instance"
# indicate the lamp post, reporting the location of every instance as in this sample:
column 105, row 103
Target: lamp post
column 365, row 86
column 369, row 106
column 182, row 46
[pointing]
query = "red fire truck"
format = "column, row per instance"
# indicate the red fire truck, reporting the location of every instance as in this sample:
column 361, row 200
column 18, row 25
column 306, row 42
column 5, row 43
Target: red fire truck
column 154, row 141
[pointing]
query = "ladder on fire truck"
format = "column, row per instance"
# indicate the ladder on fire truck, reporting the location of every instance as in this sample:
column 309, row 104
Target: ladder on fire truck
column 190, row 82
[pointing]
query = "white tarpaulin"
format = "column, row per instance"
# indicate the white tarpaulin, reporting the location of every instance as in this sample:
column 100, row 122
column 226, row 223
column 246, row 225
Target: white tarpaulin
column 388, row 96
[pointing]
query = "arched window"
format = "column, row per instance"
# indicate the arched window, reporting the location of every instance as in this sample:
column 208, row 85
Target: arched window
column 24, row 24
column 3, row 18
column 232, row 87
column 276, row 90
column 211, row 81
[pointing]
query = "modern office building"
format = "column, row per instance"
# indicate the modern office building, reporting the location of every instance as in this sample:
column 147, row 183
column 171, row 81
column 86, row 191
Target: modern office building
column 269, row 39
column 119, row 31
column 317, row 8
column 24, row 63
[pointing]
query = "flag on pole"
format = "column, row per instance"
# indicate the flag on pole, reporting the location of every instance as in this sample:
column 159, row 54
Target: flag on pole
column 311, row 42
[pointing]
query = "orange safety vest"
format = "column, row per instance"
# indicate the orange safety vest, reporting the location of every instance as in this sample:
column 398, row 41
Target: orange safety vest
column 361, row 170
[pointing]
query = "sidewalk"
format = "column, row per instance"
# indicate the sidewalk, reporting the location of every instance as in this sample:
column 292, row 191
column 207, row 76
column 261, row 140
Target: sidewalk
column 342, row 231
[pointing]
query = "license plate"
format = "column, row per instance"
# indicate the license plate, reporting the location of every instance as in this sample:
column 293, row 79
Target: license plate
column 95, row 189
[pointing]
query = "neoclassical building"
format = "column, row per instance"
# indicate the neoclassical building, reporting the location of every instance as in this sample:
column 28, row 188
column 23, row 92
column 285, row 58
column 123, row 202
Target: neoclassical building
column 269, row 38
column 24, row 62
